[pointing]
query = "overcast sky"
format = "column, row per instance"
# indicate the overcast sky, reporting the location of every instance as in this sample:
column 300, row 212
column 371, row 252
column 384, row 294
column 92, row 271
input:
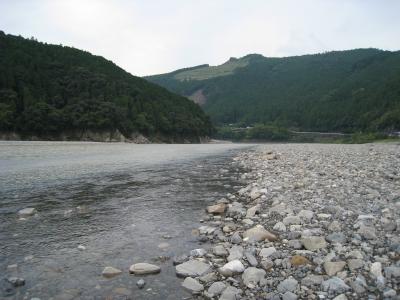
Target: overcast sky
column 156, row 36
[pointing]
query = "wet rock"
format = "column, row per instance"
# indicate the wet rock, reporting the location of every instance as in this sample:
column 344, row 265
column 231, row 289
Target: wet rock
column 192, row 268
column 236, row 209
column 109, row 272
column 218, row 208
column 16, row 281
column 335, row 285
column 192, row 285
column 331, row 268
column 233, row 267
column 81, row 247
column 314, row 242
column 180, row 259
column 259, row 233
column 198, row 252
column 144, row 268
column 288, row 285
column 252, row 276
column 27, row 212
column 140, row 283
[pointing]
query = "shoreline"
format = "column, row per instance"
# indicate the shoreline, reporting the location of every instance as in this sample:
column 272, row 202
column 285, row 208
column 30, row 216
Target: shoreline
column 315, row 221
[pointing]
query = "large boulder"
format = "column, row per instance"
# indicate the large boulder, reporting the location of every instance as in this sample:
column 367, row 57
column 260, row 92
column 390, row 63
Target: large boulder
column 259, row 233
column 144, row 268
column 192, row 268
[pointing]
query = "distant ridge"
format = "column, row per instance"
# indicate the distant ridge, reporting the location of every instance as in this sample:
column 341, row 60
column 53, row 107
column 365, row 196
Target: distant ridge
column 347, row 91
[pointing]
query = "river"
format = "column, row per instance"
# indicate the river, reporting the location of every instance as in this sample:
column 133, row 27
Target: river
column 124, row 203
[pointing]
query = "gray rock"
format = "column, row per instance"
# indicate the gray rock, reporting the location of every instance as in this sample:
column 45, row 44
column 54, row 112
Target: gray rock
column 144, row 268
column 292, row 220
column 376, row 273
column 367, row 232
column 336, row 237
column 198, row 252
column 252, row 276
column 306, row 214
column 289, row 296
column 279, row 227
column 216, row 288
column 220, row 250
column 389, row 293
column 267, row 264
column 236, row 209
column 231, row 293
column 313, row 242
column 180, row 259
column 335, row 226
column 192, row 268
column 312, row 280
column 109, row 272
column 295, row 244
column 266, row 252
column 236, row 252
column 355, row 264
column 192, row 285
column 251, row 258
column 331, row 268
column 236, row 238
column 140, row 283
column 288, row 285
column 340, row 297
column 231, row 268
column 251, row 212
column 392, row 272
column 335, row 285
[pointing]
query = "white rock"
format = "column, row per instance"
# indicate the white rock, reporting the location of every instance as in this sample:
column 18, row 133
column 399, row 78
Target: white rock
column 27, row 212
column 109, row 272
column 265, row 252
column 144, row 268
column 192, row 268
column 231, row 268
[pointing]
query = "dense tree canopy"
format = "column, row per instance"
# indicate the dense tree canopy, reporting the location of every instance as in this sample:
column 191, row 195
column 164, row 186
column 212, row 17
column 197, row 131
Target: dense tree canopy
column 336, row 91
column 49, row 89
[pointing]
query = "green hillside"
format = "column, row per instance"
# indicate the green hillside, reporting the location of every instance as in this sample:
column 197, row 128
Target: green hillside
column 337, row 91
column 46, row 90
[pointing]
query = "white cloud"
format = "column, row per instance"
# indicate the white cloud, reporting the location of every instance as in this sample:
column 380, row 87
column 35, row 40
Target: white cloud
column 147, row 37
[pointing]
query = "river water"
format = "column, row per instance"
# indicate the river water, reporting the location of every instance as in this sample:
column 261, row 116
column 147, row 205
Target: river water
column 124, row 203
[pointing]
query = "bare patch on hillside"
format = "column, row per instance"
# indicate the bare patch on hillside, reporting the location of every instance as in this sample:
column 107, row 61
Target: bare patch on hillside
column 198, row 97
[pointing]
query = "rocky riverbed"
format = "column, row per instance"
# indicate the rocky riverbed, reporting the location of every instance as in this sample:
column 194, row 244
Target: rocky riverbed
column 313, row 222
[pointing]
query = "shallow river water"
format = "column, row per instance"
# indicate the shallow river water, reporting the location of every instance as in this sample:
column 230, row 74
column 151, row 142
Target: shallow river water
column 120, row 201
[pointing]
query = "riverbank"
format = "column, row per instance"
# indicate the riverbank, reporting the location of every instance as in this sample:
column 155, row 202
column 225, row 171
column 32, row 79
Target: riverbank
column 314, row 222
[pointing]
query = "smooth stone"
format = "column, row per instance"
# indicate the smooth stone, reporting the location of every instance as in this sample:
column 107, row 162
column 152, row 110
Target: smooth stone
column 292, row 220
column 192, row 268
column 335, row 285
column 220, row 250
column 306, row 214
column 251, row 258
column 288, row 285
column 192, row 285
column 340, row 297
column 233, row 267
column 289, row 296
column 144, row 268
column 230, row 293
column 266, row 252
column 163, row 245
column 216, row 288
column 259, row 233
column 355, row 264
column 279, row 227
column 81, row 247
column 218, row 208
column 140, row 283
column 331, row 268
column 236, row 238
column 109, row 272
column 236, row 252
column 252, row 276
column 312, row 280
column 27, row 212
column 180, row 259
column 313, row 242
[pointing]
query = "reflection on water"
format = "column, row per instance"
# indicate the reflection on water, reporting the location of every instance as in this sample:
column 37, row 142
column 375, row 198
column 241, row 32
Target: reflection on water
column 120, row 201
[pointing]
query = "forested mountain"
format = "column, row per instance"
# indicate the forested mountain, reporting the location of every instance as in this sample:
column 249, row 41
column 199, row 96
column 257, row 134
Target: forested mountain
column 355, row 90
column 47, row 90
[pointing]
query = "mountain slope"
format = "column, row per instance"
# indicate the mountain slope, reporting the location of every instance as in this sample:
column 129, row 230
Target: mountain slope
column 47, row 90
column 336, row 91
